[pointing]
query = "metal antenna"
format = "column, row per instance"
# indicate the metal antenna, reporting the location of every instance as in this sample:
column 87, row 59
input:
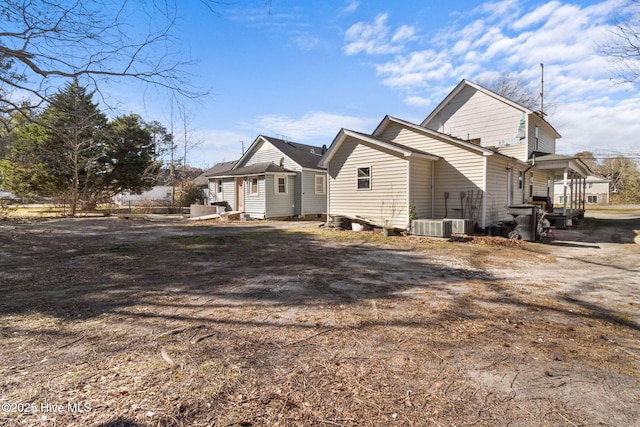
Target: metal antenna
column 541, row 90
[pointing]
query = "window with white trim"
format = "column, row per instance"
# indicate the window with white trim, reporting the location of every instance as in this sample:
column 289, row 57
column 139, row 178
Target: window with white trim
column 592, row 199
column 253, row 188
column 281, row 184
column 364, row 178
column 321, row 183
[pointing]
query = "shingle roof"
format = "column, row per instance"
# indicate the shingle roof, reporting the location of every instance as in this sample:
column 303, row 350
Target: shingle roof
column 218, row 168
column 255, row 169
column 307, row 156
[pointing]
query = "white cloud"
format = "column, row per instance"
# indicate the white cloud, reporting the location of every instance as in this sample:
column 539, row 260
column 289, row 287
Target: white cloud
column 404, row 33
column 507, row 36
column 538, row 15
column 305, row 42
column 315, row 127
column 499, row 10
column 351, row 7
column 418, row 101
column 218, row 146
column 375, row 38
column 415, row 69
column 608, row 130
column 559, row 35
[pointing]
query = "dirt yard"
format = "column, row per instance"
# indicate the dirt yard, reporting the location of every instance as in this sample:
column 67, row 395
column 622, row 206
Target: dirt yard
column 114, row 322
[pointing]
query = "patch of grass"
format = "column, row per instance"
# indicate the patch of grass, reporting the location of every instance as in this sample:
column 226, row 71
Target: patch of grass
column 203, row 241
column 129, row 246
column 590, row 222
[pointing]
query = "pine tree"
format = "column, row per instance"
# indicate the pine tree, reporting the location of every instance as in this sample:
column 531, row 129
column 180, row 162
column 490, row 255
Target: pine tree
column 78, row 132
column 129, row 157
column 73, row 151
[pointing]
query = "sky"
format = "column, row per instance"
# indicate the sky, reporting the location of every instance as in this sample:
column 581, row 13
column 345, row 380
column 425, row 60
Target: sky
column 301, row 71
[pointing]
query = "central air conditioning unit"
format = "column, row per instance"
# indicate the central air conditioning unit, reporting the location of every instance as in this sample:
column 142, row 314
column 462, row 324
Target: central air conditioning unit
column 462, row 226
column 431, row 227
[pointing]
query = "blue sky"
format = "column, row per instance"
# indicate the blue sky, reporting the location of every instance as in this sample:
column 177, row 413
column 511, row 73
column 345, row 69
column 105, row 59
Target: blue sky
column 304, row 70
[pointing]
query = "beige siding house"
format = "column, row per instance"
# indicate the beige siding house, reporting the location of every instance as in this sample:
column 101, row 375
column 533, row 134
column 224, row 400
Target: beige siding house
column 371, row 178
column 380, row 177
column 473, row 113
column 476, row 154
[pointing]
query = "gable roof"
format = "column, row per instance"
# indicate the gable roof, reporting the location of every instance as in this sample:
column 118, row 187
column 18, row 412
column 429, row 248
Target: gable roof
column 254, row 169
column 218, row 168
column 465, row 83
column 307, row 156
column 400, row 149
column 432, row 133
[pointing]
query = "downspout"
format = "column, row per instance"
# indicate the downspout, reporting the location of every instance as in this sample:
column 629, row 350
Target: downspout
column 564, row 206
column 408, row 205
column 302, row 193
column 328, row 189
column 484, row 190
column 433, row 189
column 524, row 179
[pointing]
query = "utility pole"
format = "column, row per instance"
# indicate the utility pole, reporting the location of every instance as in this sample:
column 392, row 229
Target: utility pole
column 171, row 166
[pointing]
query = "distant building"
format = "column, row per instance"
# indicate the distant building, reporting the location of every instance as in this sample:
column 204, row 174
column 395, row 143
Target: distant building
column 162, row 194
column 596, row 191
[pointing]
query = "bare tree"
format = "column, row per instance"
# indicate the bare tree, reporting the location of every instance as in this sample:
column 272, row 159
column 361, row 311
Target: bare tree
column 623, row 47
column 188, row 141
column 512, row 87
column 45, row 42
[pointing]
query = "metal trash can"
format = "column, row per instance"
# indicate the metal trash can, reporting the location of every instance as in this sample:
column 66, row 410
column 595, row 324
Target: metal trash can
column 526, row 219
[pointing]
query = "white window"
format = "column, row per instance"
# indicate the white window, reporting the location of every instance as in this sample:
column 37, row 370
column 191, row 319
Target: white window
column 364, row 178
column 253, row 188
column 219, row 186
column 321, row 183
column 592, row 199
column 281, row 184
